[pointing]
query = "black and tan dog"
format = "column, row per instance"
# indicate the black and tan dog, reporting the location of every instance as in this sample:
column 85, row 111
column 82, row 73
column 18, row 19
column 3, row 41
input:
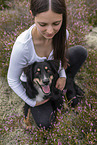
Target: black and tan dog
column 41, row 80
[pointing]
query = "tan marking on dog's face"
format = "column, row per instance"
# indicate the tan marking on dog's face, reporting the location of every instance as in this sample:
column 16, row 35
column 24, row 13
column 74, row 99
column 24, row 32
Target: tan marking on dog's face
column 51, row 78
column 37, row 80
column 38, row 69
column 46, row 67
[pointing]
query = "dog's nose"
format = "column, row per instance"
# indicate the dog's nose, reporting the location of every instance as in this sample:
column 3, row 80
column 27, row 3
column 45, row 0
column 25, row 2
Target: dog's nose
column 46, row 81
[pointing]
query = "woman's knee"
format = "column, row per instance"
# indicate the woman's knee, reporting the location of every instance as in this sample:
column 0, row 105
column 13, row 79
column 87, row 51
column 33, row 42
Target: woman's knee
column 77, row 54
column 82, row 51
column 46, row 122
column 43, row 115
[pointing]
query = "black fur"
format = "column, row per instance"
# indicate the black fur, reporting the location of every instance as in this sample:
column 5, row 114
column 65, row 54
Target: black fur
column 31, row 91
column 74, row 93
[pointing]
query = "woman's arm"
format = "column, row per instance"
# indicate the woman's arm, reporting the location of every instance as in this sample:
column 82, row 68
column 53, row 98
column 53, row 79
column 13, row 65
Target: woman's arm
column 18, row 61
column 60, row 84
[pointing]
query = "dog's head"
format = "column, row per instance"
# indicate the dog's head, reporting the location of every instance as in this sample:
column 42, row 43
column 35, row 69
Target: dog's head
column 41, row 74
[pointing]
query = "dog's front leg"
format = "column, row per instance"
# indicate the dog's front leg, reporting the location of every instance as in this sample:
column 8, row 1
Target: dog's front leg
column 27, row 120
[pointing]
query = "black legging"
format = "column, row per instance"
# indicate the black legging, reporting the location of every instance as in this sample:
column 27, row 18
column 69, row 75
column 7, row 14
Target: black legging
column 44, row 115
column 76, row 55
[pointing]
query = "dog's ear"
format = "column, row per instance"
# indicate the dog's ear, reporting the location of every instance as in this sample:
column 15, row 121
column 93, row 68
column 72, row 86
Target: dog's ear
column 54, row 65
column 29, row 71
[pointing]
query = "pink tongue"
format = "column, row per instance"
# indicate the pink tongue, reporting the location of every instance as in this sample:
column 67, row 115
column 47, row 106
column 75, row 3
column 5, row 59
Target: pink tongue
column 46, row 89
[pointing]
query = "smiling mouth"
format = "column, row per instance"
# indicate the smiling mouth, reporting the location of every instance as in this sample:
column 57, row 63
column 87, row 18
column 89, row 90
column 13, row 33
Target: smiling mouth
column 45, row 88
column 49, row 35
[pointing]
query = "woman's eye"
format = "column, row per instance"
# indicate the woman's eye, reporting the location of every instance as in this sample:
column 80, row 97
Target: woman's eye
column 42, row 25
column 56, row 23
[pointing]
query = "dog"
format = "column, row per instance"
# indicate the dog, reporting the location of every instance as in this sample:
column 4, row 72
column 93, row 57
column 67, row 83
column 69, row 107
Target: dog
column 41, row 80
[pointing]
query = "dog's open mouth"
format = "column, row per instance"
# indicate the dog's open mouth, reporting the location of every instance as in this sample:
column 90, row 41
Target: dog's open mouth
column 45, row 88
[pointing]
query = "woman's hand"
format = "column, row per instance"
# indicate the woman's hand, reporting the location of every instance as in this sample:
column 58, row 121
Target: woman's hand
column 42, row 102
column 60, row 84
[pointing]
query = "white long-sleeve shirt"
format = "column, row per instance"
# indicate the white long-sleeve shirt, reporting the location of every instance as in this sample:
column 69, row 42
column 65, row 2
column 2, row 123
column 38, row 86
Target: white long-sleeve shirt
column 22, row 55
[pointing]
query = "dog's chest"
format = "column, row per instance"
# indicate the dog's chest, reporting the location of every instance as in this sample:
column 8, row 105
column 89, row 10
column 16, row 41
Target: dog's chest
column 40, row 96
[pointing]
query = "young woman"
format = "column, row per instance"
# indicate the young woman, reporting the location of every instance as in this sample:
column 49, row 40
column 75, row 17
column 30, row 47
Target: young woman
column 45, row 39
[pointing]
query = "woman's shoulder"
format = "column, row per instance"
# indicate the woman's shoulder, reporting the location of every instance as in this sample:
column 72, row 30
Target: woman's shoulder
column 23, row 43
column 25, row 36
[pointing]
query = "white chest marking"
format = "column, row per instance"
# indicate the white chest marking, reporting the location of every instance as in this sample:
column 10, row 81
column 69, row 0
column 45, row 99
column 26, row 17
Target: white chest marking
column 40, row 96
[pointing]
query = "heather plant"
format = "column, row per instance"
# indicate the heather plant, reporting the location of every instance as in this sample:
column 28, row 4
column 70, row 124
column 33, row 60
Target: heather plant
column 14, row 22
column 3, row 4
column 72, row 127
column 92, row 11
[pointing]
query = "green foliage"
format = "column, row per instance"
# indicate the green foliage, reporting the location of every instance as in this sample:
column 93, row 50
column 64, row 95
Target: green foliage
column 13, row 22
column 3, row 4
column 92, row 11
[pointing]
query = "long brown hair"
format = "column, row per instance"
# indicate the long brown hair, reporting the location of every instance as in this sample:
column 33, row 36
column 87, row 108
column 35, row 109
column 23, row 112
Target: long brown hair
column 59, row 40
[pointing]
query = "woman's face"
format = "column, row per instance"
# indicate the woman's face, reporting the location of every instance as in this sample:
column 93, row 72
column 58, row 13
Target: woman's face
column 48, row 23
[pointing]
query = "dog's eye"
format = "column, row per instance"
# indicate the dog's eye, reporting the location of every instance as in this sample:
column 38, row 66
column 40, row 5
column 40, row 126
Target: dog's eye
column 37, row 72
column 48, row 70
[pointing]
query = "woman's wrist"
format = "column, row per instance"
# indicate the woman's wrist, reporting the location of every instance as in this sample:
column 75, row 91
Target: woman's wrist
column 62, row 73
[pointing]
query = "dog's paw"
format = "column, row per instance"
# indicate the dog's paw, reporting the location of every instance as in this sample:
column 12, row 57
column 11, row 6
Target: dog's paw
column 56, row 94
column 28, row 123
column 28, row 127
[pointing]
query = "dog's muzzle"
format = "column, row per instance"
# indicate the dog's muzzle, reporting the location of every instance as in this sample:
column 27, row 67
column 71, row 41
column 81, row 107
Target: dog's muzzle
column 46, row 82
column 46, row 86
